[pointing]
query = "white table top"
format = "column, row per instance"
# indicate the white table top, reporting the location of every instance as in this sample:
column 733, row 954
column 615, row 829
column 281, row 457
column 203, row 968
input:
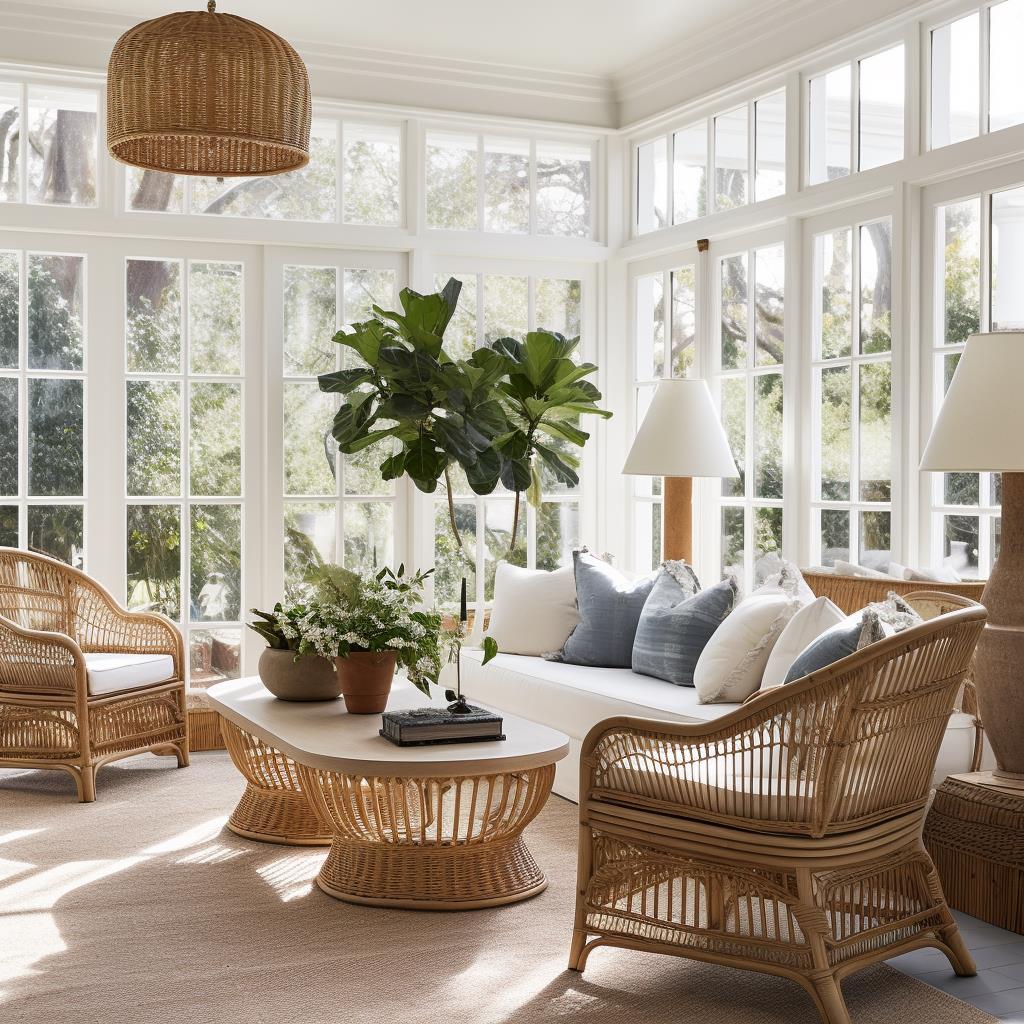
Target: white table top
column 322, row 734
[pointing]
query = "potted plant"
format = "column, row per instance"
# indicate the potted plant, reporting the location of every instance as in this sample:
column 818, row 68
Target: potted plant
column 348, row 635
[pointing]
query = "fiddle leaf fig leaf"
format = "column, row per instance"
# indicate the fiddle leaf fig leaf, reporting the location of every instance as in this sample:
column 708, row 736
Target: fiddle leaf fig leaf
column 490, row 648
column 345, row 381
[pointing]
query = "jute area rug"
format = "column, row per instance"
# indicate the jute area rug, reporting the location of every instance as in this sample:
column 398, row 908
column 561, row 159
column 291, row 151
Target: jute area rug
column 142, row 909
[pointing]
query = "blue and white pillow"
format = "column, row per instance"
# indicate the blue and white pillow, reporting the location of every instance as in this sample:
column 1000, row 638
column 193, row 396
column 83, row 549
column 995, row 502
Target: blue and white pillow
column 609, row 607
column 674, row 629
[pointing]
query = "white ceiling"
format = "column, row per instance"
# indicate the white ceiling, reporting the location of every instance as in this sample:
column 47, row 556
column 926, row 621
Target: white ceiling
column 598, row 37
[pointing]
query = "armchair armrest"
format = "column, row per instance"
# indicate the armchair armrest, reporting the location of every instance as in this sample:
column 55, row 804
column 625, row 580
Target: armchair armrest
column 101, row 624
column 38, row 661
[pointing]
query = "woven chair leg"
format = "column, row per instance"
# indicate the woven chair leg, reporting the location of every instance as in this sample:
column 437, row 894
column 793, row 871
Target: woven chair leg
column 829, row 997
column 177, row 750
column 957, row 953
column 85, row 780
column 576, row 957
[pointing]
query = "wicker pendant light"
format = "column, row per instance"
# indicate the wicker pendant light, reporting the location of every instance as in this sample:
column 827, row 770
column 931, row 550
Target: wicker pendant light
column 207, row 93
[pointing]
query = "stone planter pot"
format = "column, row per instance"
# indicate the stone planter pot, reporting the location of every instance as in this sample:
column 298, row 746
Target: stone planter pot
column 309, row 678
column 366, row 680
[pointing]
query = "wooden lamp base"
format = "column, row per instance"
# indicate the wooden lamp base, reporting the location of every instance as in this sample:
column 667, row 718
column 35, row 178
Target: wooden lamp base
column 677, row 519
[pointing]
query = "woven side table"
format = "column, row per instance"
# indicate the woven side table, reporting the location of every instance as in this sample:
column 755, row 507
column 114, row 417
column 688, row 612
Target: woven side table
column 975, row 834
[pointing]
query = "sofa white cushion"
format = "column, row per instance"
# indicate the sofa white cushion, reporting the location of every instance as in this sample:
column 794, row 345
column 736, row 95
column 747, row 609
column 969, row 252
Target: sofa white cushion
column 108, row 672
column 805, row 627
column 731, row 665
column 852, row 569
column 534, row 611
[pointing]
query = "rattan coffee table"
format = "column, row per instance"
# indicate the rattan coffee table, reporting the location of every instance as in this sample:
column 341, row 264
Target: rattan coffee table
column 436, row 827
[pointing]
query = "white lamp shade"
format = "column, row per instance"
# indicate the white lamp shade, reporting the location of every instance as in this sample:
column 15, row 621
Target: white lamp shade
column 681, row 435
column 981, row 423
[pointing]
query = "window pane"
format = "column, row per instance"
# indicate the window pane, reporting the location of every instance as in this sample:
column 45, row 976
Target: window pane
column 215, row 439
column 365, row 289
column 10, row 304
column 1007, row 250
column 214, row 655
column 557, row 306
column 361, row 472
column 309, row 449
column 882, row 88
column 768, row 435
column 506, row 307
column 8, row 436
column 55, row 435
column 10, row 129
column 876, row 287
column 734, row 419
column 62, row 158
column 215, row 317
column 563, row 189
column 834, row 283
column 733, row 542
column 961, row 227
column 644, row 486
column 770, row 146
column 647, row 536
column 956, row 79
column 960, row 544
column 652, row 185
column 767, row 542
column 830, row 126
column 369, row 532
column 372, row 173
column 650, row 327
column 1006, row 73
column 9, row 526
column 507, row 185
column 216, row 575
column 153, row 327
column 154, row 191
column 306, row 194
column 690, row 173
column 961, row 489
column 684, row 320
column 154, row 437
column 558, row 533
column 731, row 159
column 310, row 316
column 876, row 431
column 734, row 312
column 55, row 334
column 451, row 181
column 769, row 303
column 310, row 539
column 154, row 558
column 498, row 516
column 836, row 433
column 450, row 565
column 461, row 337
column 875, row 540
column 835, row 536
column 57, row 531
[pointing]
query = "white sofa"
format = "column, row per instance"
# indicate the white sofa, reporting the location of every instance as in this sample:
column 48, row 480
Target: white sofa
column 574, row 698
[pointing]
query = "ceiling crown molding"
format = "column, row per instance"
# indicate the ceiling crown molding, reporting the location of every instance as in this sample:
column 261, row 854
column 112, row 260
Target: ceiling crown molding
column 70, row 38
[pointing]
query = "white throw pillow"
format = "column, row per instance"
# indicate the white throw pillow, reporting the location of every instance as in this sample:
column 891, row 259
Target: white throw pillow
column 800, row 632
column 731, row 666
column 852, row 569
column 534, row 611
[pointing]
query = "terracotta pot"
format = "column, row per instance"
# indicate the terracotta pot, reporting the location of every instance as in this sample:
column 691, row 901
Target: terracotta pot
column 366, row 680
column 309, row 678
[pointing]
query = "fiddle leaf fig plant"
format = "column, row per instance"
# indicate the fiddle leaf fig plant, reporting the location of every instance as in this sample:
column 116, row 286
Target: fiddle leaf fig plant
column 494, row 415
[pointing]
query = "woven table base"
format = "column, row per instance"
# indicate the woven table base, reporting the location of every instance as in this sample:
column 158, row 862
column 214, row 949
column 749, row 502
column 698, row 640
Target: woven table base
column 273, row 808
column 450, row 843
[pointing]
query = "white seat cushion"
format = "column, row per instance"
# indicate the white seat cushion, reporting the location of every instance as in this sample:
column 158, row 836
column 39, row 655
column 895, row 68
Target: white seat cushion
column 109, row 673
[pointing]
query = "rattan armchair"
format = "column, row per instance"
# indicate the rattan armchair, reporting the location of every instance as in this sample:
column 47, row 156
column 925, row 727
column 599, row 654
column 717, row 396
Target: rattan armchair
column 785, row 837
column 51, row 617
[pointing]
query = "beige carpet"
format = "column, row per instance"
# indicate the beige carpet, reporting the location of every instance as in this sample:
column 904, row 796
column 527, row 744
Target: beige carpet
column 140, row 909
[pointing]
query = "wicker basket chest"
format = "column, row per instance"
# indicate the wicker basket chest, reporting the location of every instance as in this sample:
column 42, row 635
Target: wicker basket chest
column 975, row 834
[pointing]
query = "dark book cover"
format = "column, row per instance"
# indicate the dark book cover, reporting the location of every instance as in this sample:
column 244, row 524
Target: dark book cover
column 415, row 718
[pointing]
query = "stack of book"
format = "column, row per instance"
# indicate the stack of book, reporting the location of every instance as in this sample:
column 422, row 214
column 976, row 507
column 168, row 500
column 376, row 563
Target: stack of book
column 422, row 726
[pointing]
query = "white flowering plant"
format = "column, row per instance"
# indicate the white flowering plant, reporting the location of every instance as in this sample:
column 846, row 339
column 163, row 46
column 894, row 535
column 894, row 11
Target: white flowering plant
column 340, row 611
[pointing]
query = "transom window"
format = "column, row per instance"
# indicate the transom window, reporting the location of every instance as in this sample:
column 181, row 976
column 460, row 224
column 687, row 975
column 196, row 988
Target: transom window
column 741, row 152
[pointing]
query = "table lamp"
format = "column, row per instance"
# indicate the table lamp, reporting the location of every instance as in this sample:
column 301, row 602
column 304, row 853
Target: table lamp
column 980, row 428
column 681, row 437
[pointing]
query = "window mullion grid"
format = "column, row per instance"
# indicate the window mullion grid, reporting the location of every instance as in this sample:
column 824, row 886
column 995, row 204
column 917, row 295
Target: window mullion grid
column 751, row 151
column 854, row 116
column 712, row 175
column 749, row 459
column 186, row 469
column 481, row 223
column 670, row 179
column 984, row 66
column 339, row 176
column 22, row 378
column 533, row 194
column 23, row 144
